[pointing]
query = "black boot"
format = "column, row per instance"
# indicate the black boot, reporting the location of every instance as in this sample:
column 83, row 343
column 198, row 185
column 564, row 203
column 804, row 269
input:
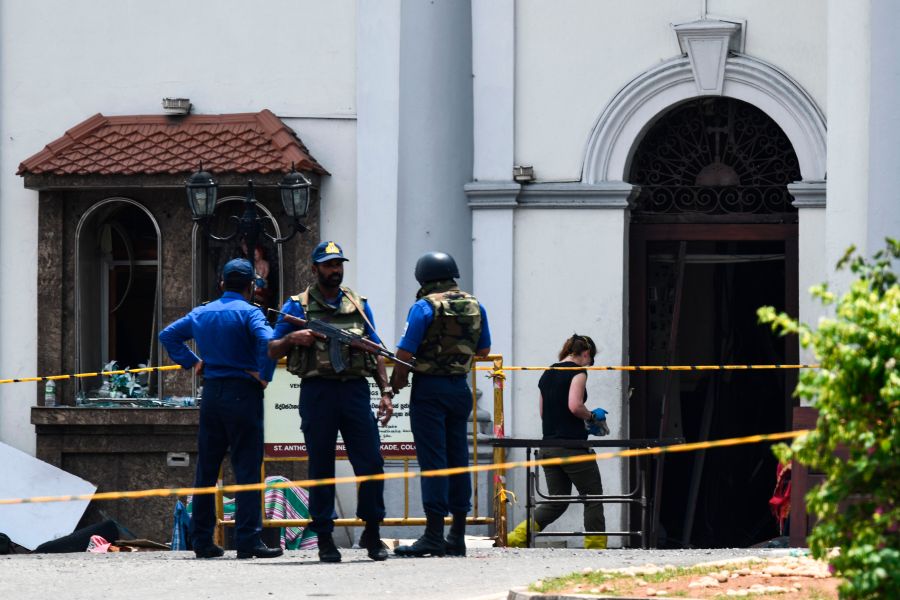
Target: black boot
column 260, row 551
column 209, row 551
column 328, row 552
column 371, row 541
column 456, row 539
column 432, row 541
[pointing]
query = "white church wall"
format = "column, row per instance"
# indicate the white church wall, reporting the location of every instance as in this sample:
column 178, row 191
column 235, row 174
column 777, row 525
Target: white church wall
column 435, row 142
column 790, row 35
column 884, row 126
column 569, row 278
column 333, row 143
column 849, row 69
column 812, row 256
column 378, row 159
column 571, row 63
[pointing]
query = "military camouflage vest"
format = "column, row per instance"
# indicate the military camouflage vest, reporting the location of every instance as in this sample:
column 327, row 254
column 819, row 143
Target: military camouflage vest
column 314, row 360
column 450, row 341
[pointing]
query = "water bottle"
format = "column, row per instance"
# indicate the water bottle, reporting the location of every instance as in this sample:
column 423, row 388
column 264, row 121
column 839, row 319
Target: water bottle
column 50, row 393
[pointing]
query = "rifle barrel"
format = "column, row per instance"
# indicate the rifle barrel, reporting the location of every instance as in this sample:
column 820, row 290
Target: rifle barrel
column 358, row 342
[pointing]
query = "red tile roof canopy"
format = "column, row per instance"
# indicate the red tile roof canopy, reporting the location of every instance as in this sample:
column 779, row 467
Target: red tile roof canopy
column 161, row 145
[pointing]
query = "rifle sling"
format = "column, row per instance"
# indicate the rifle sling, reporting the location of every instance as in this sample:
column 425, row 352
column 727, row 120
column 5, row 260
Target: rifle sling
column 365, row 318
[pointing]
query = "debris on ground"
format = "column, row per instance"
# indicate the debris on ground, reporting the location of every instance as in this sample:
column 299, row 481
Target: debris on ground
column 798, row 577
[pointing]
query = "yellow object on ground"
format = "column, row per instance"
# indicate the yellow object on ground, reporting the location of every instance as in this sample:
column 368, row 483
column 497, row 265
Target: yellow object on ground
column 517, row 538
column 595, row 542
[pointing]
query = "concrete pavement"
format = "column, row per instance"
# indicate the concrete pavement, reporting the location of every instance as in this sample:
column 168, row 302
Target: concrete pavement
column 486, row 574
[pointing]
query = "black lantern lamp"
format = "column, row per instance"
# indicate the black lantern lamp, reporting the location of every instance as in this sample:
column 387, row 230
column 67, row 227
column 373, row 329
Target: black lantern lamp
column 295, row 195
column 202, row 191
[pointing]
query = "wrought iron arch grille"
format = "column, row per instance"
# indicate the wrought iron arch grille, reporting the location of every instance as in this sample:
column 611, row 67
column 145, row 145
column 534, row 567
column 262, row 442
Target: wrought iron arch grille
column 715, row 159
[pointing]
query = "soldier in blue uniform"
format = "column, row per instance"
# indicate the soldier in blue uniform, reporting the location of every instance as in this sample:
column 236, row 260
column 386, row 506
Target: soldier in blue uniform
column 331, row 402
column 232, row 336
column 445, row 329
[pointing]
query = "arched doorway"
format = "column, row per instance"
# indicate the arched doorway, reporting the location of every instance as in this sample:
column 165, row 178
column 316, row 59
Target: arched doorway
column 713, row 236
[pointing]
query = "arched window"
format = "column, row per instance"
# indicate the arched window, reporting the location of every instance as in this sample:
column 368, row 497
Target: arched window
column 118, row 298
column 717, row 158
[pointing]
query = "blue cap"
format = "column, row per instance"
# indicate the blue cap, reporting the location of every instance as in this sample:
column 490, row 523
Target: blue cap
column 238, row 268
column 327, row 251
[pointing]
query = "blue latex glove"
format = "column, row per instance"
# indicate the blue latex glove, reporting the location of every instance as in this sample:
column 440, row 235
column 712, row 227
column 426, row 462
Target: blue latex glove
column 597, row 424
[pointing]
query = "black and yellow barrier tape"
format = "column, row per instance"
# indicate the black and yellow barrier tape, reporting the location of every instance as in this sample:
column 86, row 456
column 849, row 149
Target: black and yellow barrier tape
column 654, row 368
column 494, row 372
column 91, row 374
column 306, row 483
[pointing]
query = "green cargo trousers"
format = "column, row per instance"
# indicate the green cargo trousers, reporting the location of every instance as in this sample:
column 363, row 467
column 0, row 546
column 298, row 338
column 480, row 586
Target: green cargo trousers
column 585, row 476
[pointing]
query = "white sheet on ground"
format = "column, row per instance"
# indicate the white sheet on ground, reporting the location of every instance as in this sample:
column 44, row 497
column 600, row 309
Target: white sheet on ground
column 24, row 476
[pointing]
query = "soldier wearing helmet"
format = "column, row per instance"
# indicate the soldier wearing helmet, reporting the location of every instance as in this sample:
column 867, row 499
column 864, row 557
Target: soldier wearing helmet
column 445, row 329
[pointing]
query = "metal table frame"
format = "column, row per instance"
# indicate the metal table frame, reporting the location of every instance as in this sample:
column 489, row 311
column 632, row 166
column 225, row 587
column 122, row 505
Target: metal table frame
column 638, row 495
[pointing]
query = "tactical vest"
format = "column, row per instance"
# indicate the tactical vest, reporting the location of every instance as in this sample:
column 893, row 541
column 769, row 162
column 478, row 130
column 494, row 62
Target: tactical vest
column 313, row 361
column 450, row 341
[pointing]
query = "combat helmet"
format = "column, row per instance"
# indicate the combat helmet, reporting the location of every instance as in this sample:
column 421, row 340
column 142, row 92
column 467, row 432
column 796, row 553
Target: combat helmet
column 435, row 266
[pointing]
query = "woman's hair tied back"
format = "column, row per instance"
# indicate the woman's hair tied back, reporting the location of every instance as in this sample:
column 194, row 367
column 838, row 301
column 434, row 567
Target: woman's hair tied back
column 576, row 345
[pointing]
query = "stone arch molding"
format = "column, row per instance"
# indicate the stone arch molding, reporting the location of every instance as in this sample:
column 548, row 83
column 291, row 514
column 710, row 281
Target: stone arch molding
column 635, row 108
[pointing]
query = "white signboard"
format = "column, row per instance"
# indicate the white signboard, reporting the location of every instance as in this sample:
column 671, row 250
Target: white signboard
column 30, row 525
column 283, row 437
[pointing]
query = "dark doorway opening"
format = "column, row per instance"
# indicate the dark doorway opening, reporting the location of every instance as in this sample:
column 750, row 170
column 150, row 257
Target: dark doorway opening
column 713, row 237
column 718, row 498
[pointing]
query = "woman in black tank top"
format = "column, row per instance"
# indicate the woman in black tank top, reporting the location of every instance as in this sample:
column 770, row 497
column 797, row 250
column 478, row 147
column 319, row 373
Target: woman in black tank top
column 562, row 398
column 563, row 414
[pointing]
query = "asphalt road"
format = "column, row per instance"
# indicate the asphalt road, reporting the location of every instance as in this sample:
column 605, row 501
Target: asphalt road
column 485, row 574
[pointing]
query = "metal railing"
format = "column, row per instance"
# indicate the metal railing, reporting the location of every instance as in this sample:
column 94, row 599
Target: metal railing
column 497, row 517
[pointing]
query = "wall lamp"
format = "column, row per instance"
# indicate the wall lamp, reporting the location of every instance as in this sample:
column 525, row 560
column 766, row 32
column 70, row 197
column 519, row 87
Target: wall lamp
column 202, row 193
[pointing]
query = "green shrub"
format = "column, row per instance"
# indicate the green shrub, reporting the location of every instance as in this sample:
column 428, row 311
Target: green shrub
column 857, row 392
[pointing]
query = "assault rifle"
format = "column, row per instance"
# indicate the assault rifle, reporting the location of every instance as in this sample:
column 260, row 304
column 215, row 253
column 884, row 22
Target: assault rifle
column 338, row 337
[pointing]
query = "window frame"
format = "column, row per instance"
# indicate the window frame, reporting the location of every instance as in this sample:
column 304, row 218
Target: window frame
column 83, row 221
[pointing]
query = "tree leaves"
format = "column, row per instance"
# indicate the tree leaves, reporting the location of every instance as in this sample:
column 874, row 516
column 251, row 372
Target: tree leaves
column 857, row 393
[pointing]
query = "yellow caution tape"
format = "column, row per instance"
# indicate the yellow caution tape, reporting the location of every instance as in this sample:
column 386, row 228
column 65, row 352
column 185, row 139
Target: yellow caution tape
column 92, row 374
column 652, row 368
column 505, row 495
column 163, row 492
column 495, row 373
